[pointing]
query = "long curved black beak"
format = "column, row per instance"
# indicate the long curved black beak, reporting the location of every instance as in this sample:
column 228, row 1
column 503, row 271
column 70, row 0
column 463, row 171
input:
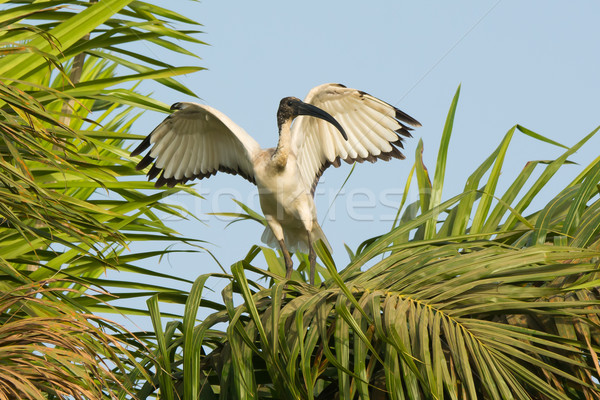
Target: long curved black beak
column 309, row 109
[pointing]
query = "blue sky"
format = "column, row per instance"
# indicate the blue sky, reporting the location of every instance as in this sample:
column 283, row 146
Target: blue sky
column 534, row 63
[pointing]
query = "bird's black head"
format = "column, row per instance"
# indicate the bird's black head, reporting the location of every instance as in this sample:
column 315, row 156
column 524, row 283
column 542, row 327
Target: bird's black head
column 288, row 109
column 291, row 107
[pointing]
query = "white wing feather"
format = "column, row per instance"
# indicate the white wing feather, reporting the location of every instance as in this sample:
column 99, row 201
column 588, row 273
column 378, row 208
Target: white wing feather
column 374, row 128
column 196, row 141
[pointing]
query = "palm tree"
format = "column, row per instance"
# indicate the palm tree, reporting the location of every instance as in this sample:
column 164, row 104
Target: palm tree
column 470, row 297
column 71, row 202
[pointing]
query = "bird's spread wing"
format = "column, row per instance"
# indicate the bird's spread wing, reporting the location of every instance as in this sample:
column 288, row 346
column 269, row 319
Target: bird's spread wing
column 375, row 130
column 196, row 141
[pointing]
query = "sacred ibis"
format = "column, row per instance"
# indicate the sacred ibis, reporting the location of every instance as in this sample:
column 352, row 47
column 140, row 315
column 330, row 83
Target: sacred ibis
column 340, row 123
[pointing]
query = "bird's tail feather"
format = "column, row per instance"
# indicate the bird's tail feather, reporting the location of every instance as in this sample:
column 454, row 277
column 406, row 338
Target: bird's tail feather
column 295, row 239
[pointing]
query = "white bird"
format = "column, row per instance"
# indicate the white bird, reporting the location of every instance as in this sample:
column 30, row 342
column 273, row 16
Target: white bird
column 196, row 141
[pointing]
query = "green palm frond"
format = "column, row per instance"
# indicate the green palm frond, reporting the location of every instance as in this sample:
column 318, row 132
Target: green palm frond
column 468, row 298
column 475, row 296
column 71, row 201
column 65, row 173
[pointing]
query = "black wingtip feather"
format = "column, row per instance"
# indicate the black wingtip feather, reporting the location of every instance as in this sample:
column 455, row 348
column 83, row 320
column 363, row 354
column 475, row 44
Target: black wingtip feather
column 147, row 160
column 153, row 172
column 404, row 131
column 404, row 117
column 142, row 146
column 161, row 181
column 395, row 153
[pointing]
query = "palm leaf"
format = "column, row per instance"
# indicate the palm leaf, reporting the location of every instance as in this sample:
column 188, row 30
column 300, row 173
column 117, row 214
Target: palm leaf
column 72, row 202
column 505, row 306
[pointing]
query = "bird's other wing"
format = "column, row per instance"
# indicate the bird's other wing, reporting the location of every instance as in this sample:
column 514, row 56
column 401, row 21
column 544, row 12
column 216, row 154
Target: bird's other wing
column 375, row 130
column 196, row 141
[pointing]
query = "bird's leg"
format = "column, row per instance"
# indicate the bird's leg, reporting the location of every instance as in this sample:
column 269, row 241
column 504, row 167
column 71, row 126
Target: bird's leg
column 312, row 258
column 289, row 265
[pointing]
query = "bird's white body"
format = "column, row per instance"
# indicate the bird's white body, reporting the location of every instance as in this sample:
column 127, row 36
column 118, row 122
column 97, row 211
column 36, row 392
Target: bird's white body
column 289, row 208
column 333, row 123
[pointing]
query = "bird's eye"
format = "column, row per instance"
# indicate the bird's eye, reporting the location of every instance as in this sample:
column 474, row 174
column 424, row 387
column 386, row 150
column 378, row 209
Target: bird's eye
column 289, row 103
